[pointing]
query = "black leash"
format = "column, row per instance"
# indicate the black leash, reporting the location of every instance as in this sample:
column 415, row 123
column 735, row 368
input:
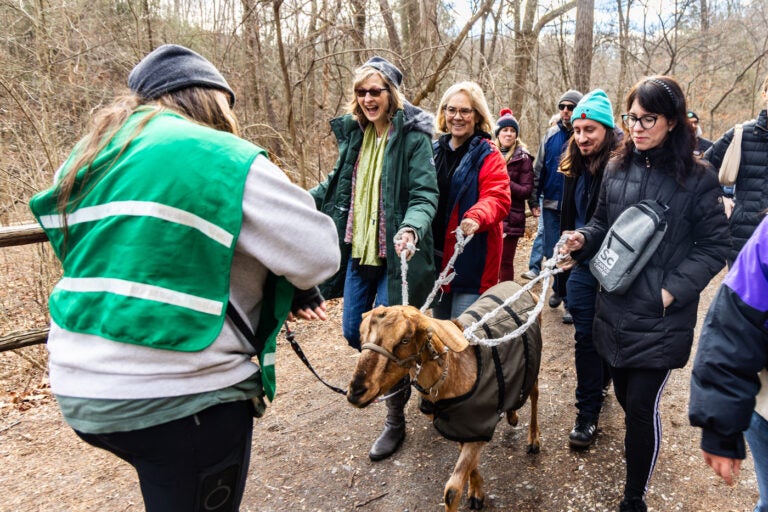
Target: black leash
column 296, row 348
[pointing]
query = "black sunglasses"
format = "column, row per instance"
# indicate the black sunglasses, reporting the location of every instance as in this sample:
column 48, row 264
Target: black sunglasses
column 564, row 106
column 375, row 92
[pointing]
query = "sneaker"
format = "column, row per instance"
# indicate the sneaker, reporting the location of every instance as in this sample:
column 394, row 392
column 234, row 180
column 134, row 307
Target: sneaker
column 555, row 300
column 567, row 318
column 531, row 274
column 583, row 433
column 633, row 505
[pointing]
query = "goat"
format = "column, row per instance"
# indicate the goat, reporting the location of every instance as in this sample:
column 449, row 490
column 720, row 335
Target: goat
column 399, row 340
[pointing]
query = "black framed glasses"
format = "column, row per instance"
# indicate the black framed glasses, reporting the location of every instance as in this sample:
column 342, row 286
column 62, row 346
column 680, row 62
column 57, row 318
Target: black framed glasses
column 375, row 92
column 453, row 111
column 647, row 121
column 564, row 106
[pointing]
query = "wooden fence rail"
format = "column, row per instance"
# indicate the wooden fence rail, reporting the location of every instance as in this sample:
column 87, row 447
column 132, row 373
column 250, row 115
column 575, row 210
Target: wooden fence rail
column 9, row 237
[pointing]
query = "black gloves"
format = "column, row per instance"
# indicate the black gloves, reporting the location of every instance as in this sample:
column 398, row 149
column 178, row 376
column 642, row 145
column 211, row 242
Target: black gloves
column 306, row 299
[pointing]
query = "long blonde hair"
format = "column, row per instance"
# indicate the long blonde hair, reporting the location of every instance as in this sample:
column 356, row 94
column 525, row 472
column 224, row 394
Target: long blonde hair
column 206, row 106
column 479, row 103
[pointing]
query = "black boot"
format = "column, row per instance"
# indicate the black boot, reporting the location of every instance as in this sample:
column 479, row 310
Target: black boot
column 394, row 426
column 633, row 505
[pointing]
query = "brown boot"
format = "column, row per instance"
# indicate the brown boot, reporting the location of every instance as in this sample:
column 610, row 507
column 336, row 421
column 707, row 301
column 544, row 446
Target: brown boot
column 393, row 434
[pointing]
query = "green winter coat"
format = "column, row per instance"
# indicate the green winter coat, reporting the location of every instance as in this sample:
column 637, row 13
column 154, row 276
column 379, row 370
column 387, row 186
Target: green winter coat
column 409, row 189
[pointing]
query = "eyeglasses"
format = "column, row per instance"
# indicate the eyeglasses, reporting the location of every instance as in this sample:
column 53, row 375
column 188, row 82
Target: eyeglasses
column 453, row 111
column 647, row 121
column 375, row 92
column 564, row 106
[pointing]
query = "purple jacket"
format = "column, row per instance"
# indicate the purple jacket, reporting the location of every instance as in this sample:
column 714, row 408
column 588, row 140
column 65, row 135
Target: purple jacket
column 733, row 348
column 520, row 171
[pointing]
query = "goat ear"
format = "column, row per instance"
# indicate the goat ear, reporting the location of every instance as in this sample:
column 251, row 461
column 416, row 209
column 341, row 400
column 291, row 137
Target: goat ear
column 449, row 333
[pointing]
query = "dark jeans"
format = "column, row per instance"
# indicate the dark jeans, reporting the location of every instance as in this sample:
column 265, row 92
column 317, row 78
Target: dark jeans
column 639, row 393
column 197, row 463
column 591, row 369
column 361, row 294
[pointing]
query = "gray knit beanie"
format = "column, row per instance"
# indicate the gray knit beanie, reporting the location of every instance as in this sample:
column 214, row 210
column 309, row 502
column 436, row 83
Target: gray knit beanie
column 172, row 67
column 571, row 95
column 387, row 69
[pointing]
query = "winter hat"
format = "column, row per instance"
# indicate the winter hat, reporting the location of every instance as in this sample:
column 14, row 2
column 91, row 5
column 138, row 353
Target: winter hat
column 596, row 106
column 506, row 120
column 387, row 69
column 172, row 67
column 571, row 95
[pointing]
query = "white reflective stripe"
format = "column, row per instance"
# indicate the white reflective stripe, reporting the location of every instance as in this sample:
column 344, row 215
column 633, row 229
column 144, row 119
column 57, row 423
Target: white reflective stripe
column 269, row 359
column 141, row 208
column 141, row 291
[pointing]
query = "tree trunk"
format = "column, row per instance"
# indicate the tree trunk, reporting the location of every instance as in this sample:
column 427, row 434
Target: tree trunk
column 582, row 51
column 389, row 22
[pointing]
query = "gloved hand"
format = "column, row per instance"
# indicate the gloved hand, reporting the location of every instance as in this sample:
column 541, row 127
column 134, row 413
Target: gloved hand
column 310, row 299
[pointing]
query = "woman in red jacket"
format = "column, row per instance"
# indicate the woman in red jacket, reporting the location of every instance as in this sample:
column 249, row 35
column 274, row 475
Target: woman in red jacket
column 520, row 172
column 474, row 196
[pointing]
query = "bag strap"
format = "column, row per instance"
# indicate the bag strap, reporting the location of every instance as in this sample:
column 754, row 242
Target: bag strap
column 729, row 167
column 243, row 328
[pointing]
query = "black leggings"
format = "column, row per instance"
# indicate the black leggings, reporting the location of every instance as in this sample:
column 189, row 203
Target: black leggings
column 639, row 393
column 192, row 464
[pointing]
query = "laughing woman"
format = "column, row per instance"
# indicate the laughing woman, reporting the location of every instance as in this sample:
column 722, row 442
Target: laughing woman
column 382, row 196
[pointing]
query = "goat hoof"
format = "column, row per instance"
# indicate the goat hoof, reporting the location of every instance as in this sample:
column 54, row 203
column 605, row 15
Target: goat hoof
column 512, row 418
column 534, row 448
column 450, row 497
column 476, row 503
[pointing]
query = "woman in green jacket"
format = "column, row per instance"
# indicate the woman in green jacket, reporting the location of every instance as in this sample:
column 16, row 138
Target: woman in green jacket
column 382, row 196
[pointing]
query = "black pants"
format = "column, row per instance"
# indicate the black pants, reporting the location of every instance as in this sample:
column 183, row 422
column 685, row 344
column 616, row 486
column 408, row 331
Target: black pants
column 192, row 464
column 639, row 393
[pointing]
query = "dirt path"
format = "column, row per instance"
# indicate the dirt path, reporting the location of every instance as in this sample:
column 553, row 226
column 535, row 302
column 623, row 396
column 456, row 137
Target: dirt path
column 310, row 450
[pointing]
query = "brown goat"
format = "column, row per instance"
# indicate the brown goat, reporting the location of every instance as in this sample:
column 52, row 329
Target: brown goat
column 398, row 340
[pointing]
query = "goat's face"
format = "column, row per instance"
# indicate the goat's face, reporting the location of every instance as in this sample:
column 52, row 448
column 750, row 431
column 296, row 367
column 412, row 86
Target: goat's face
column 402, row 332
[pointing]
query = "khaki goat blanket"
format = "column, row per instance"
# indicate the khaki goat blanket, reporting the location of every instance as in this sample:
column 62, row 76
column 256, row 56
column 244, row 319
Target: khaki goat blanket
column 506, row 373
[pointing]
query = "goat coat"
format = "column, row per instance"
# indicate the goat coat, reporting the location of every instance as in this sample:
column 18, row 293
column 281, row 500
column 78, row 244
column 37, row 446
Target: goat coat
column 506, row 373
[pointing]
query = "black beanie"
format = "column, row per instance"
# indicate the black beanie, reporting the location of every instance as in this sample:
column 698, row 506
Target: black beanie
column 172, row 67
column 387, row 69
column 506, row 120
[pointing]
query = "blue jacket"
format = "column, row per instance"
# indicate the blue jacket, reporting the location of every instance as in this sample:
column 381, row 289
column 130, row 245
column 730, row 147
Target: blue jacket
column 547, row 182
column 733, row 348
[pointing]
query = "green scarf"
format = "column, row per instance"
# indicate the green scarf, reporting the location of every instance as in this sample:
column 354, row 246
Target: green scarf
column 365, row 225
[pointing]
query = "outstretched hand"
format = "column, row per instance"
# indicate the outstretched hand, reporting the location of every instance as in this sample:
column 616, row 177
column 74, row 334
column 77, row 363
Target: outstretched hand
column 573, row 242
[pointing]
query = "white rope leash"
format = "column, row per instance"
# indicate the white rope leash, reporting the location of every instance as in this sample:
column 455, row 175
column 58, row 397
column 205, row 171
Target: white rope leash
column 547, row 272
column 446, row 276
column 410, row 250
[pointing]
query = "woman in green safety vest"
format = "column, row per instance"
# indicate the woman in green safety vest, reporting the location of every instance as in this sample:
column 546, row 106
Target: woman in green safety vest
column 176, row 273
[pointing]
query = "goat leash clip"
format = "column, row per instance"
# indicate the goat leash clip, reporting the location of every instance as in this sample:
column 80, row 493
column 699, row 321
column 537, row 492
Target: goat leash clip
column 296, row 348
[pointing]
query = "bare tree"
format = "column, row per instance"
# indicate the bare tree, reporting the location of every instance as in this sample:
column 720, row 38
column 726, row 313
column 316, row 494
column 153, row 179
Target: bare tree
column 582, row 48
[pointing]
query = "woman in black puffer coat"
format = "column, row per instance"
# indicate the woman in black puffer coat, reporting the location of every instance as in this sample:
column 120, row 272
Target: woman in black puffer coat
column 750, row 193
column 648, row 331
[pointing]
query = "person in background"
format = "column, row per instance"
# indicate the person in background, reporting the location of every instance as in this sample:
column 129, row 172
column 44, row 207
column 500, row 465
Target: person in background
column 749, row 196
column 520, row 172
column 537, row 248
column 382, row 196
column 163, row 219
column 548, row 186
column 474, row 197
column 583, row 165
column 729, row 383
column 702, row 143
column 646, row 332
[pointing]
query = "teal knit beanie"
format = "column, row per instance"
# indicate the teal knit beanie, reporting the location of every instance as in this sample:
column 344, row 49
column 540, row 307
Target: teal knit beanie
column 594, row 105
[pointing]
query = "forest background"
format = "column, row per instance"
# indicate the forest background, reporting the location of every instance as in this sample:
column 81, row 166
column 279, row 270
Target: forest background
column 291, row 62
